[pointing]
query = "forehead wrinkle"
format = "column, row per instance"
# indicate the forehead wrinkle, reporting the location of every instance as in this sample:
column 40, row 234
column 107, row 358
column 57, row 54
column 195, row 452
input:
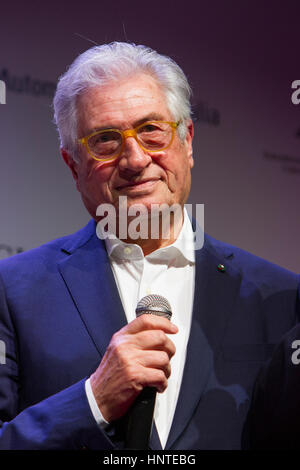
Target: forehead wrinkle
column 96, row 110
column 121, row 103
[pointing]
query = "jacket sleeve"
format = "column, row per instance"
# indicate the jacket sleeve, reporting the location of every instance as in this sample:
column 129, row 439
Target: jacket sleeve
column 61, row 421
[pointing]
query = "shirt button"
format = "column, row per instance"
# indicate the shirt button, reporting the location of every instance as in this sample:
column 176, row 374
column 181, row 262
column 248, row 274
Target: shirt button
column 127, row 250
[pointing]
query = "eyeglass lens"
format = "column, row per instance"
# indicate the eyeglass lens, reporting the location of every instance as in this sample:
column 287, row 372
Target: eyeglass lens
column 151, row 136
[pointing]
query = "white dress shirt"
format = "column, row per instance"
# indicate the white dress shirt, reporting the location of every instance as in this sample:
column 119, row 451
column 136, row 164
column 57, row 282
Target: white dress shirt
column 170, row 272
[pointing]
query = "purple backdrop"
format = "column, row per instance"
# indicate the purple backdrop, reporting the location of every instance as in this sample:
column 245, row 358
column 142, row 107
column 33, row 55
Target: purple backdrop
column 240, row 57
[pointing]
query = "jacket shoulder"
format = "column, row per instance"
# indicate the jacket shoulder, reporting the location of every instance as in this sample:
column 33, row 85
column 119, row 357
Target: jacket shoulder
column 256, row 269
column 46, row 254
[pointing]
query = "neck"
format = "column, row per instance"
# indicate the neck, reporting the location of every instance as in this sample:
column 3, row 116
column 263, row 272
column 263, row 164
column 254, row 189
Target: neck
column 152, row 232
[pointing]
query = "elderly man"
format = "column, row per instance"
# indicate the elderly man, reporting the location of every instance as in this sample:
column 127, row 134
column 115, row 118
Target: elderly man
column 76, row 356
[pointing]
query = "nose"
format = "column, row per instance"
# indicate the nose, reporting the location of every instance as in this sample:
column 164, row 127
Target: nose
column 133, row 157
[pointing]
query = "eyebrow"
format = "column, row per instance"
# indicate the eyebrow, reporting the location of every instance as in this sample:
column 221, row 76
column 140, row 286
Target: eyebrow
column 149, row 117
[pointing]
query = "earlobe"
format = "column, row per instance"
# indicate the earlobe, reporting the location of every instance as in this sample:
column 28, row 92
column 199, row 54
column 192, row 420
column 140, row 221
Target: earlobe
column 191, row 160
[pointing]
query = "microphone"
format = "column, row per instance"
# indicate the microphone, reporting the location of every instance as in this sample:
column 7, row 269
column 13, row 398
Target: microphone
column 140, row 415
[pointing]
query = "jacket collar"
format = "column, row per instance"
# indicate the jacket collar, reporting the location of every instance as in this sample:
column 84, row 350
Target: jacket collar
column 89, row 279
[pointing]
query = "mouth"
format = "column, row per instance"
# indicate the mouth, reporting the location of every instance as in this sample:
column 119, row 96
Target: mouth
column 144, row 184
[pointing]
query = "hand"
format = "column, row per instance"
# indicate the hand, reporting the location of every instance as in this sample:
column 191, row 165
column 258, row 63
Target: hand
column 137, row 356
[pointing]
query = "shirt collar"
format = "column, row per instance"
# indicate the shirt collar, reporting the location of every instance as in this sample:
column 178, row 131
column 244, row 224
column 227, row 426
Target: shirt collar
column 183, row 246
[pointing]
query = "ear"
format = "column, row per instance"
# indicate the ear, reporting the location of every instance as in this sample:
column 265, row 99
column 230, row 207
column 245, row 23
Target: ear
column 71, row 163
column 189, row 141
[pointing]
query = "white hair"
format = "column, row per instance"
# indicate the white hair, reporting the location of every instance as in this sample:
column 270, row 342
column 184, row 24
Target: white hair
column 101, row 64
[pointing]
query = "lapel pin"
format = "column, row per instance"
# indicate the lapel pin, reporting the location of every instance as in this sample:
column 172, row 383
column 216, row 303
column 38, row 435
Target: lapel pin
column 221, row 268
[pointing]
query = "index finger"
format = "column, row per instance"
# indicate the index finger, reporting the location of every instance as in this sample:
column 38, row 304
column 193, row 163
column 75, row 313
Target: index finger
column 151, row 322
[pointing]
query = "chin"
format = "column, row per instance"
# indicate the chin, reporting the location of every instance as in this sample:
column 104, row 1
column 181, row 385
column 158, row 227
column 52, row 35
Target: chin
column 147, row 202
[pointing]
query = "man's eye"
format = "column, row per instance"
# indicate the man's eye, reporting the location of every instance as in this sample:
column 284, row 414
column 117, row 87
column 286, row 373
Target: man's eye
column 105, row 137
column 149, row 128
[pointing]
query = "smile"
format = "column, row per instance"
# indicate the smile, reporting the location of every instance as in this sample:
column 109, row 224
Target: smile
column 139, row 185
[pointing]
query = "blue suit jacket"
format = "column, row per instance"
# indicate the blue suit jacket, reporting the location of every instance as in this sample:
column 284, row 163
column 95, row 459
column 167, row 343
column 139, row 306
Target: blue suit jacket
column 59, row 307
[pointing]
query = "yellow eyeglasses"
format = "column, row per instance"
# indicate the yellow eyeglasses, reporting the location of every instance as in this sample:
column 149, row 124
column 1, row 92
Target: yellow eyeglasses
column 108, row 144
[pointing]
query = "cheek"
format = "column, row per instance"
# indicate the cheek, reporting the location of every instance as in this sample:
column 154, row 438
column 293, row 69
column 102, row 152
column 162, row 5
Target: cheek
column 94, row 178
column 176, row 167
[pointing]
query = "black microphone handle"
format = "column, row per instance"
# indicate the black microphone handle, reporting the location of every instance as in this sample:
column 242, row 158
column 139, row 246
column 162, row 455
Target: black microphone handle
column 140, row 416
column 140, row 420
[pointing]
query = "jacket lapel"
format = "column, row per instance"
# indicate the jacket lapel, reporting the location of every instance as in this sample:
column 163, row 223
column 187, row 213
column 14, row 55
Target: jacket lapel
column 89, row 279
column 214, row 299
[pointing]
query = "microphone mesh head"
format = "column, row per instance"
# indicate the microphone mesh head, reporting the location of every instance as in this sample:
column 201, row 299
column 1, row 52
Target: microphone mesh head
column 155, row 305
